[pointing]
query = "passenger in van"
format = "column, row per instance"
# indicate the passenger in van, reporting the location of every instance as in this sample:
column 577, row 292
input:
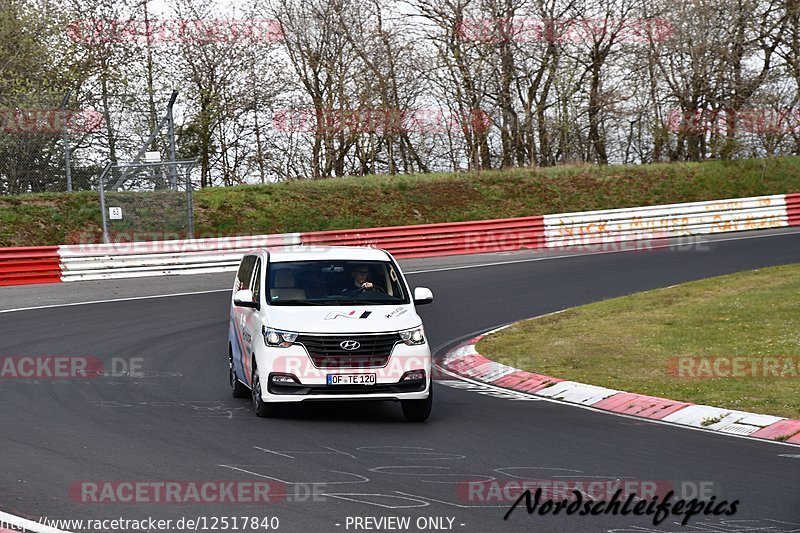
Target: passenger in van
column 315, row 285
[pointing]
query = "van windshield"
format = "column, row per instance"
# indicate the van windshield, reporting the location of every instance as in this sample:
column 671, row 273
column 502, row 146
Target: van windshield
column 335, row 283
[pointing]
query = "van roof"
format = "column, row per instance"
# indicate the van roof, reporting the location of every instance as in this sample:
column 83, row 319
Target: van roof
column 338, row 253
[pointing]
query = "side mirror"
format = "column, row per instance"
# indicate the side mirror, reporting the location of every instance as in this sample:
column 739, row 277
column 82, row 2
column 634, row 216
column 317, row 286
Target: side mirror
column 422, row 296
column 244, row 298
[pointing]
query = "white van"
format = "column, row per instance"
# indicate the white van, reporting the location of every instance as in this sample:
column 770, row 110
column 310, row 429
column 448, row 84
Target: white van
column 328, row 323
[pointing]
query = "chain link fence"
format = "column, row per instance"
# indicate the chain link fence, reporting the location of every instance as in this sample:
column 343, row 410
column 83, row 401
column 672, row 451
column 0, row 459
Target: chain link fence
column 37, row 134
column 147, row 201
column 51, row 142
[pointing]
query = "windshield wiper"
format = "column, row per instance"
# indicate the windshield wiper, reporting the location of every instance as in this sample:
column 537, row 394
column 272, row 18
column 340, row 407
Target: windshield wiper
column 296, row 302
column 371, row 302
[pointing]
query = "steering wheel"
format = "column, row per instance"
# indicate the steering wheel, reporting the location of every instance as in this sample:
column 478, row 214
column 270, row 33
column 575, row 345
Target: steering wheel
column 362, row 289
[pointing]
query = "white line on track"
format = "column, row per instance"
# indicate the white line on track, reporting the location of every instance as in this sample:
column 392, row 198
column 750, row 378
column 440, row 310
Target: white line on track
column 426, row 271
column 132, row 298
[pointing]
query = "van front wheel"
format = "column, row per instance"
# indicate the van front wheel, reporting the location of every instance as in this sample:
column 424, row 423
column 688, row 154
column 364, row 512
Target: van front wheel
column 418, row 410
column 238, row 389
column 262, row 408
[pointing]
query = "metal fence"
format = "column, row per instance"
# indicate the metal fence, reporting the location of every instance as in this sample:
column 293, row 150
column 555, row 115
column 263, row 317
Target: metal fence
column 52, row 142
column 147, row 201
column 37, row 132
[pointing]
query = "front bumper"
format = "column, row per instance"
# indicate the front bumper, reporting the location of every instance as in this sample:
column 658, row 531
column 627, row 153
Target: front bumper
column 312, row 384
column 293, row 392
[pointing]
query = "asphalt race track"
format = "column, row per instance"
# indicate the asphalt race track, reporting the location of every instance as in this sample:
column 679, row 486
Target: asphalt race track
column 179, row 421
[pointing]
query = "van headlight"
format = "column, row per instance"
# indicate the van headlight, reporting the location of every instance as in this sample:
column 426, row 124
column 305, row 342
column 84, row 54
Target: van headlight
column 413, row 336
column 277, row 338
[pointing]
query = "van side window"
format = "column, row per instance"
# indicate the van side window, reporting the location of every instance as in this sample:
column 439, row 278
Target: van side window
column 257, row 283
column 245, row 272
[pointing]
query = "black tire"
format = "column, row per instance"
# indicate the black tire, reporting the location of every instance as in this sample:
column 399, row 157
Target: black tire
column 238, row 389
column 418, row 410
column 261, row 408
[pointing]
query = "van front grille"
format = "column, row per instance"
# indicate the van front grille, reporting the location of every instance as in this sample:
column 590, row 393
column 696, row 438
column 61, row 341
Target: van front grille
column 371, row 351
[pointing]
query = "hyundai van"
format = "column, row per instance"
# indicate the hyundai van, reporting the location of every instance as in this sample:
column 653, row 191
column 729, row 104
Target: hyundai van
column 328, row 324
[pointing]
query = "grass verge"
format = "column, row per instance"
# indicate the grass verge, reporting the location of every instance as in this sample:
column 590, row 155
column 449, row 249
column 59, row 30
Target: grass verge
column 632, row 343
column 374, row 201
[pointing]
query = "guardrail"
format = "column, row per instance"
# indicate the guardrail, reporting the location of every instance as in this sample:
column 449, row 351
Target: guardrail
column 793, row 209
column 451, row 238
column 665, row 221
column 139, row 259
column 23, row 266
column 162, row 258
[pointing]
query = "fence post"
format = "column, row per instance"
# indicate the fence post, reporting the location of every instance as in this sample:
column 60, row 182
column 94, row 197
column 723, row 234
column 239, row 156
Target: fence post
column 67, row 162
column 190, row 206
column 106, row 238
column 171, row 132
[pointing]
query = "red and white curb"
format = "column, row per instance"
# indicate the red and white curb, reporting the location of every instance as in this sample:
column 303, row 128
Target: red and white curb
column 465, row 361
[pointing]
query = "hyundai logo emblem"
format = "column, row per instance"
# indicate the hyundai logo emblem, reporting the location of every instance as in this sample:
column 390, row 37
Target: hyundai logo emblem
column 350, row 345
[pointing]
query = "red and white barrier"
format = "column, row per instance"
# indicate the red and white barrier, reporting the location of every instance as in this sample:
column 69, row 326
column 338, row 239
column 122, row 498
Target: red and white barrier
column 84, row 262
column 430, row 240
column 793, row 209
column 664, row 221
column 23, row 266
column 139, row 259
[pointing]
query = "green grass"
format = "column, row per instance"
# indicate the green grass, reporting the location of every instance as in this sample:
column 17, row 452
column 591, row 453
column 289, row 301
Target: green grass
column 629, row 343
column 357, row 202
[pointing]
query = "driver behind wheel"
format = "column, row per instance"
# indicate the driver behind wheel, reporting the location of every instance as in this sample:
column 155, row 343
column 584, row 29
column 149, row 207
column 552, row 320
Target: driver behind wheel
column 359, row 273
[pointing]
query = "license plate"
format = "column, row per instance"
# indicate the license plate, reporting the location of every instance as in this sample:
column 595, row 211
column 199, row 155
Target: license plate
column 351, row 379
